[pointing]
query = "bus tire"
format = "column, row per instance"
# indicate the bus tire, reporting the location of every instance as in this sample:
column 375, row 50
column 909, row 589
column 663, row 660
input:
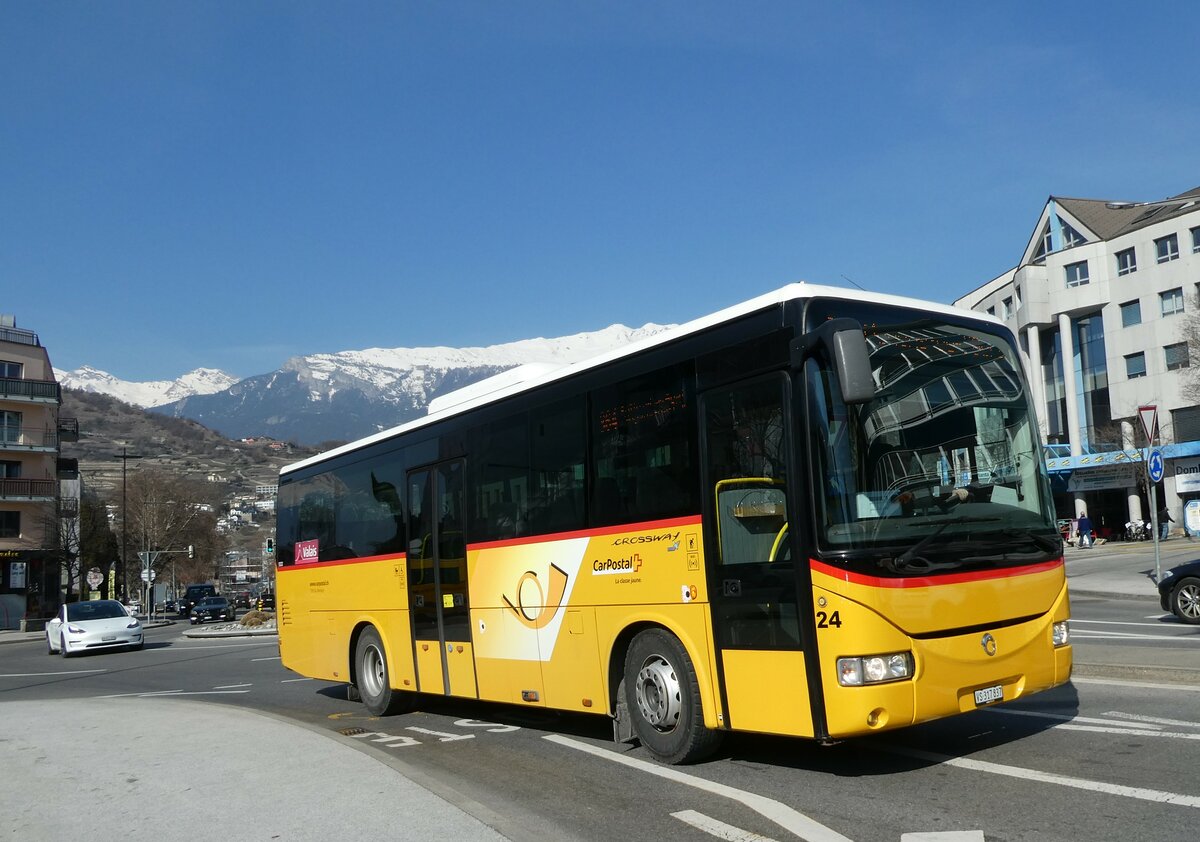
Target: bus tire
column 372, row 678
column 663, row 696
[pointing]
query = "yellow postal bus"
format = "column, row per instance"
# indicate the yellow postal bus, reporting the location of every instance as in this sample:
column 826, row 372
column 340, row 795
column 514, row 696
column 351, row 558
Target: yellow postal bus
column 819, row 513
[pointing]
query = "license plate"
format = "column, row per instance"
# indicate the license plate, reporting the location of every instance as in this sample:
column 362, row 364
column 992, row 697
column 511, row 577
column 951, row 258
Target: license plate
column 107, row 638
column 988, row 695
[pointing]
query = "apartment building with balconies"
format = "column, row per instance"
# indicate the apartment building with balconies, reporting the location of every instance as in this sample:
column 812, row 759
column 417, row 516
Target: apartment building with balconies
column 32, row 554
column 1106, row 301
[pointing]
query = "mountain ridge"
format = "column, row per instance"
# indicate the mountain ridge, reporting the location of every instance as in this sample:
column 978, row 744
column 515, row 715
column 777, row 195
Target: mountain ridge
column 336, row 397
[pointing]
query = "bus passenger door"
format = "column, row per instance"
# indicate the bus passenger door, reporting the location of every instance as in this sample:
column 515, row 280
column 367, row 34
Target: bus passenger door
column 437, row 581
column 753, row 585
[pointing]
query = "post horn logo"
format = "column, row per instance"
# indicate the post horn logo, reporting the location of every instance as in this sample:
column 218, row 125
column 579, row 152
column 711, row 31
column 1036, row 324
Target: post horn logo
column 534, row 607
column 989, row 644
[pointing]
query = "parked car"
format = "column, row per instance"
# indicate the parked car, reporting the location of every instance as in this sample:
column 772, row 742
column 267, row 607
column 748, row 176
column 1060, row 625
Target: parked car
column 211, row 608
column 96, row 624
column 1179, row 591
column 192, row 595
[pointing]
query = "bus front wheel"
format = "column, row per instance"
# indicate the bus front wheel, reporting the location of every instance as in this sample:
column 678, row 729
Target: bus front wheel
column 373, row 682
column 663, row 697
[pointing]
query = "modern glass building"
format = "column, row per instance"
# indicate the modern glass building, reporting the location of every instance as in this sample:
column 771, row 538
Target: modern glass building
column 1106, row 302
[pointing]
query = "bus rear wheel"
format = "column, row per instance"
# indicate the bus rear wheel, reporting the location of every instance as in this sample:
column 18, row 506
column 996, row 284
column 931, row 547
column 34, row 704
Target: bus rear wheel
column 373, row 682
column 663, row 696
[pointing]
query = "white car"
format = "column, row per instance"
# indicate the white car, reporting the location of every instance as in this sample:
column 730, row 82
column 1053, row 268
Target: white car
column 97, row 624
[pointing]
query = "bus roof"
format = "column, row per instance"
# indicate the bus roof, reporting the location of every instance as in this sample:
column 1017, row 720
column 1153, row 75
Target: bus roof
column 515, row 381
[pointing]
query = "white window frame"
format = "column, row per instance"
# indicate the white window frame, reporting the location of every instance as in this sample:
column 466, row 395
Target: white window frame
column 1129, row 307
column 1139, row 357
column 1081, row 279
column 1127, row 267
column 1185, row 362
column 1167, row 248
column 1173, row 298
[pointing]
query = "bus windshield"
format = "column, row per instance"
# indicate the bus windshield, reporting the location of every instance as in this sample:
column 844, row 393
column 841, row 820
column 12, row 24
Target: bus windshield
column 942, row 470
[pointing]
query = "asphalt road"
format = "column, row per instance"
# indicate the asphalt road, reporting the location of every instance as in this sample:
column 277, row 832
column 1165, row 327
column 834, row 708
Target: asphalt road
column 1111, row 756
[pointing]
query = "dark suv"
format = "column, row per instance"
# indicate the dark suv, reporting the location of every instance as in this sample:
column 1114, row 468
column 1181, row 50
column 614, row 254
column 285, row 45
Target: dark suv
column 192, row 595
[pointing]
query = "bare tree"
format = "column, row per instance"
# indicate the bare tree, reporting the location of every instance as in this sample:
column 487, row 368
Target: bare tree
column 166, row 514
column 1189, row 376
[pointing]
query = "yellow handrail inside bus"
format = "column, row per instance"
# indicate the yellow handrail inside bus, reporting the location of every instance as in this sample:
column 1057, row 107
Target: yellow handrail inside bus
column 751, row 510
column 783, row 530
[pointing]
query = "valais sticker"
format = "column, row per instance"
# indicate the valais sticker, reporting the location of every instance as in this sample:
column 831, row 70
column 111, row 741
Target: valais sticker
column 307, row 551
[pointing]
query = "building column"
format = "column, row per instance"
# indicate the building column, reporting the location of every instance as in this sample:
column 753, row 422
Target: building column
column 1132, row 496
column 1067, row 342
column 1037, row 382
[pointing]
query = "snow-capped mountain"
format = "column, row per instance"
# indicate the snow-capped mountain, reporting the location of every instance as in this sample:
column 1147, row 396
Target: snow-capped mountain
column 202, row 381
column 350, row 394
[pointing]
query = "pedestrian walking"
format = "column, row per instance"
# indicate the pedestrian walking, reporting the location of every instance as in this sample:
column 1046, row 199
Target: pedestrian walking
column 1164, row 517
column 1084, row 530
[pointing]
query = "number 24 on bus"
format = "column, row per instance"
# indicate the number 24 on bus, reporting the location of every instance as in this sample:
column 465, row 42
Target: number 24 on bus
column 819, row 513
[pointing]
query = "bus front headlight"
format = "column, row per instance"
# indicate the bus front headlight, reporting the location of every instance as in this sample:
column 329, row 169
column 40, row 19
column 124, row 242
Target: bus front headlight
column 1061, row 634
column 874, row 669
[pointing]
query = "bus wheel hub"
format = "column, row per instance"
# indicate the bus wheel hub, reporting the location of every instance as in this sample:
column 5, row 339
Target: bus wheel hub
column 658, row 694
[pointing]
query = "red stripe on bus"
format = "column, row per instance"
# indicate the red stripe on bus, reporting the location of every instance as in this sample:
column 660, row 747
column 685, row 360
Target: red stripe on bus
column 933, row 581
column 647, row 526
column 599, row 532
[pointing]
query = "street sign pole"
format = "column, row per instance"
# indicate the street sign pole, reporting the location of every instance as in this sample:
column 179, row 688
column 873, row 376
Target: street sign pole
column 1155, row 469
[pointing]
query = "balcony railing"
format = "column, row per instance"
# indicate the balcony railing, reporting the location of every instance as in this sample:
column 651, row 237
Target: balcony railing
column 18, row 336
column 68, row 429
column 23, row 438
column 34, row 390
column 28, row 489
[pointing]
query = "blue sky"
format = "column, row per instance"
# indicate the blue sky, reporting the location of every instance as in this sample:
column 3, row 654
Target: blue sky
column 231, row 184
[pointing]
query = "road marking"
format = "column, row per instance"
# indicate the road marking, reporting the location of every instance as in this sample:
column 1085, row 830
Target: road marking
column 232, row 686
column 1061, row 717
column 389, row 740
column 1139, row 793
column 40, row 674
column 1148, row 685
column 276, row 658
column 1116, row 635
column 1137, row 717
column 1073, row 622
column 293, row 680
column 789, row 819
column 714, row 827
column 442, row 736
column 158, row 693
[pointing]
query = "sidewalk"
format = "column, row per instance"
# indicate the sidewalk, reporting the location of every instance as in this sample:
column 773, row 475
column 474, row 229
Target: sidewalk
column 153, row 769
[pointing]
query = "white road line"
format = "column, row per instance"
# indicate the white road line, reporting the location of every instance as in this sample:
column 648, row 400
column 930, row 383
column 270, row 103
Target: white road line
column 232, row 686
column 789, row 819
column 1024, row 774
column 1137, row 717
column 276, row 658
column 1074, row 621
column 1062, row 717
column 1116, row 635
column 159, row 693
column 40, row 674
column 293, row 680
column 1148, row 685
column 717, row 828
column 140, row 695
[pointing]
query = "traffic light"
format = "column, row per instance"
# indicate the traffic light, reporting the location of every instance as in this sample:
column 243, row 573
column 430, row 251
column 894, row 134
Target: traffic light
column 270, row 546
